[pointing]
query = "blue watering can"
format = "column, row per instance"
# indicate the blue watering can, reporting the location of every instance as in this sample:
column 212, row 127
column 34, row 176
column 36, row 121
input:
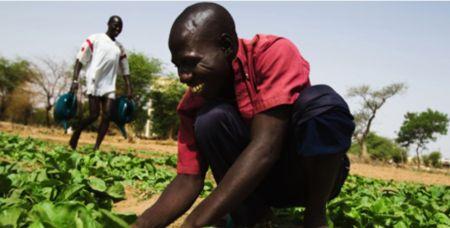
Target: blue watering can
column 65, row 109
column 123, row 113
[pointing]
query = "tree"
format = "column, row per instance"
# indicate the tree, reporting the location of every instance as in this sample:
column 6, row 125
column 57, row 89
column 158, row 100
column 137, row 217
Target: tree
column 166, row 94
column 19, row 107
column 50, row 79
column 435, row 159
column 372, row 101
column 12, row 75
column 143, row 71
column 421, row 128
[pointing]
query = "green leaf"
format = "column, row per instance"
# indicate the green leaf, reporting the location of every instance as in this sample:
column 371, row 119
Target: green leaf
column 10, row 216
column 47, row 192
column 119, row 161
column 77, row 176
column 70, row 191
column 85, row 218
column 64, row 214
column 36, row 224
column 116, row 191
column 441, row 218
column 112, row 220
column 97, row 184
column 41, row 175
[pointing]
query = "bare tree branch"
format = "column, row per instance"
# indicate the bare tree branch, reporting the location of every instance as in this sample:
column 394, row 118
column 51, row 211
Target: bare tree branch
column 50, row 79
column 372, row 101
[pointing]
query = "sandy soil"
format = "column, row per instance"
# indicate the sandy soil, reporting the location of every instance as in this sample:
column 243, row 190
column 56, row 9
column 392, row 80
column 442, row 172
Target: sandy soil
column 401, row 174
column 116, row 141
column 135, row 205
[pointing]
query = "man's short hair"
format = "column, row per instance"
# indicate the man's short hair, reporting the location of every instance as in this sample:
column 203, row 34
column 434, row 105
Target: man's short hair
column 218, row 22
column 114, row 17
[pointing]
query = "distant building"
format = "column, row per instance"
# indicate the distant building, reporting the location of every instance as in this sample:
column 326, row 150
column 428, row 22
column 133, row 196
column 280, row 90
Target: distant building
column 445, row 163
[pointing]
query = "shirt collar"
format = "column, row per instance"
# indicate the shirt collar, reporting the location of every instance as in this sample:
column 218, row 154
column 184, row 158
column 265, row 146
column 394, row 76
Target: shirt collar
column 240, row 60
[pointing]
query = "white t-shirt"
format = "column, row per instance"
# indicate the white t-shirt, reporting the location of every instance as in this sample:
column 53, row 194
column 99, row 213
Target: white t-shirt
column 103, row 59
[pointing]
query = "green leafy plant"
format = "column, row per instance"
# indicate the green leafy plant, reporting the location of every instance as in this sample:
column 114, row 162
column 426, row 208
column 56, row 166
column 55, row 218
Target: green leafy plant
column 48, row 186
column 42, row 185
column 366, row 202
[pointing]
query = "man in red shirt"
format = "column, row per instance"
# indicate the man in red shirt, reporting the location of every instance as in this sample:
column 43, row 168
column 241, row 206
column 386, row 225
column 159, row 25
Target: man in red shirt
column 250, row 114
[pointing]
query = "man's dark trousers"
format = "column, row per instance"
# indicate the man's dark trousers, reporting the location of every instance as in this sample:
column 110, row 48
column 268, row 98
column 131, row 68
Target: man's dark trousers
column 321, row 125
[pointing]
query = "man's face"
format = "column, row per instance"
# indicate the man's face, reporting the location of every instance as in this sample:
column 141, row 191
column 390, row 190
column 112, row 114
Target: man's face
column 202, row 65
column 115, row 27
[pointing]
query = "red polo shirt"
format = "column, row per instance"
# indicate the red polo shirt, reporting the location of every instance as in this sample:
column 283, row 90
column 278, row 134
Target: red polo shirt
column 269, row 71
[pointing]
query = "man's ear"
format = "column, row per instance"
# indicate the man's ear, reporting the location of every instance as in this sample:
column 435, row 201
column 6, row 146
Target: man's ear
column 226, row 44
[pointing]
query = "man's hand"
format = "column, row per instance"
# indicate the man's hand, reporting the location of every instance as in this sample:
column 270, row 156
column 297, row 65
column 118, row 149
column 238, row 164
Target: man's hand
column 176, row 199
column 129, row 95
column 76, row 72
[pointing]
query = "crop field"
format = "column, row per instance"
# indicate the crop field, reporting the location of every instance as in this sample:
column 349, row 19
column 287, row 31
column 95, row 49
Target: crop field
column 46, row 185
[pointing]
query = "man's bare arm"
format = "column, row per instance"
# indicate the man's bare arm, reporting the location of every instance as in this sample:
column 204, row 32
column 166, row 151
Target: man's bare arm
column 126, row 78
column 76, row 73
column 176, row 199
column 267, row 132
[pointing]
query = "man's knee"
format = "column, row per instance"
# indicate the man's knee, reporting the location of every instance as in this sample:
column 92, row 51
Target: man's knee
column 212, row 119
column 93, row 117
column 106, row 116
column 221, row 135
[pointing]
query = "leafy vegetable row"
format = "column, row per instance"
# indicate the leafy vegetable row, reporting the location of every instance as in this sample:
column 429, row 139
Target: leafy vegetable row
column 46, row 186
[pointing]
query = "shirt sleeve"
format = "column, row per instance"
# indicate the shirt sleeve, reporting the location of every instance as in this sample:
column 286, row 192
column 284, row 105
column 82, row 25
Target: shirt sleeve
column 281, row 74
column 86, row 50
column 189, row 159
column 123, row 61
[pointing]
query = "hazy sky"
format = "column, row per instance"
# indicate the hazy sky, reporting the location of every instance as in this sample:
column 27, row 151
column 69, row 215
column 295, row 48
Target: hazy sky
column 346, row 43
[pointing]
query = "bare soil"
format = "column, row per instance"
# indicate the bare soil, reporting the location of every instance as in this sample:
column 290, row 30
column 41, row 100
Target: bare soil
column 407, row 174
column 113, row 141
column 136, row 205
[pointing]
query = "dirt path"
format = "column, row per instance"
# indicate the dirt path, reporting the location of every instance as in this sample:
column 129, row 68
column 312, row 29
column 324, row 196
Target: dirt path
column 400, row 174
column 134, row 205
column 117, row 142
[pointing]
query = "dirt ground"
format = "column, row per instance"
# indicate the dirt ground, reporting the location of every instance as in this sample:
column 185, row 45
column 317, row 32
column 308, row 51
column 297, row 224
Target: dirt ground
column 135, row 205
column 116, row 141
column 147, row 147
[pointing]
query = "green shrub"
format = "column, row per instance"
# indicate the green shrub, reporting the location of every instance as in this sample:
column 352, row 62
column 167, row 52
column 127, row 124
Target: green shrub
column 166, row 94
column 382, row 149
column 143, row 71
column 433, row 159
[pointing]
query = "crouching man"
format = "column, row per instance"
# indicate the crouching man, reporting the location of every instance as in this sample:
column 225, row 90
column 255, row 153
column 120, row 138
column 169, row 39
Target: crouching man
column 251, row 116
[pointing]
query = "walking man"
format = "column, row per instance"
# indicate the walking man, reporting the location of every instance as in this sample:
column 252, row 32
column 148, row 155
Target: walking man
column 103, row 58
